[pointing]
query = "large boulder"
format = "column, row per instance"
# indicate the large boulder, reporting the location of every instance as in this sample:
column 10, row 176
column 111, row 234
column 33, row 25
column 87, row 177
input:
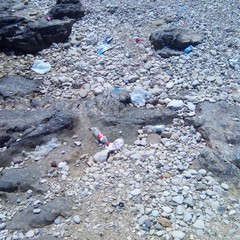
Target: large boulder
column 167, row 40
column 30, row 37
column 67, row 8
column 222, row 135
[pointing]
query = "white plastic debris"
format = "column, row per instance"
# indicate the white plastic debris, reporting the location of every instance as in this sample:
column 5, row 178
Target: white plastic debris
column 43, row 150
column 116, row 145
column 41, row 67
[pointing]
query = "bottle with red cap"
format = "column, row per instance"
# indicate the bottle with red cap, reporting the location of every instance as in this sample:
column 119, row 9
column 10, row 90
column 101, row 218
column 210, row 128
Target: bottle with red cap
column 100, row 136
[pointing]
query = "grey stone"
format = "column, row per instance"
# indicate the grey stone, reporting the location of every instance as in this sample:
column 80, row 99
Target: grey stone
column 77, row 219
column 17, row 86
column 135, row 192
column 23, row 179
column 187, row 217
column 178, row 199
column 176, row 104
column 177, row 39
column 155, row 213
column 188, row 201
column 180, row 210
column 50, row 211
column 2, row 226
column 158, row 227
column 178, row 234
column 199, row 224
column 142, row 219
column 148, row 223
column 37, row 211
column 30, row 234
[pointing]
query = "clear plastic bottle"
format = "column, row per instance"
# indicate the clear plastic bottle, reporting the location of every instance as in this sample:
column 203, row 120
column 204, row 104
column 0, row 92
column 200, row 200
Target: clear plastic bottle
column 153, row 129
column 100, row 136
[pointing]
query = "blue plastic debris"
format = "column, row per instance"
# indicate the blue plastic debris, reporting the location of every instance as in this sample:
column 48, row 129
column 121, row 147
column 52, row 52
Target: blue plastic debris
column 188, row 49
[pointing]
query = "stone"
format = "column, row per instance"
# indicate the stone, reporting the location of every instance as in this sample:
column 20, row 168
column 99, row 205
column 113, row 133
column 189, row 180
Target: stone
column 2, row 226
column 164, row 222
column 11, row 86
column 155, row 213
column 22, row 179
column 176, row 104
column 135, row 192
column 188, row 201
column 50, row 211
column 142, row 219
column 225, row 186
column 219, row 133
column 187, row 217
column 32, row 37
column 77, row 219
column 175, row 39
column 74, row 10
column 169, row 85
column 199, row 224
column 158, row 227
column 201, row 187
column 37, row 211
column 30, row 234
column 180, row 210
column 167, row 209
column 178, row 199
column 178, row 235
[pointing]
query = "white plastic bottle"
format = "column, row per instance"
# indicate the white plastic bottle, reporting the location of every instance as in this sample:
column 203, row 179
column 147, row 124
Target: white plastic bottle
column 153, row 129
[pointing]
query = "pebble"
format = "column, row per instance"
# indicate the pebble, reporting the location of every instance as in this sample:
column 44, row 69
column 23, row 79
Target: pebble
column 2, row 226
column 225, row 186
column 232, row 212
column 167, row 209
column 180, row 209
column 169, row 85
column 30, row 234
column 178, row 199
column 176, row 104
column 178, row 234
column 37, row 211
column 199, row 224
column 142, row 219
column 187, row 217
column 135, row 192
column 77, row 219
column 155, row 213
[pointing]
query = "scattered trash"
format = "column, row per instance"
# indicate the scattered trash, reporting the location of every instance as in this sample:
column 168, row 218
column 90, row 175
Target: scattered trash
column 43, row 150
column 121, row 204
column 188, row 49
column 139, row 97
column 105, row 45
column 48, row 18
column 154, row 129
column 99, row 136
column 233, row 61
column 108, row 39
column 116, row 145
column 138, row 40
column 41, row 67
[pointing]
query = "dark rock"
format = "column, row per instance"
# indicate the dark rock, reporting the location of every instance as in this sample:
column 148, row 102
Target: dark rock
column 213, row 161
column 14, row 179
column 168, row 40
column 223, row 137
column 19, row 34
column 32, row 127
column 71, row 9
column 27, row 220
column 17, row 86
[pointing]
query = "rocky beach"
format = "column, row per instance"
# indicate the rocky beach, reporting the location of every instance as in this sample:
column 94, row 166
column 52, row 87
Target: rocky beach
column 162, row 76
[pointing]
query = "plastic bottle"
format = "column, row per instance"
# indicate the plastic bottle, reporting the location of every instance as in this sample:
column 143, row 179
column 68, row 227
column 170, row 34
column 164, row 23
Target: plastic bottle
column 100, row 136
column 154, row 129
column 188, row 49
